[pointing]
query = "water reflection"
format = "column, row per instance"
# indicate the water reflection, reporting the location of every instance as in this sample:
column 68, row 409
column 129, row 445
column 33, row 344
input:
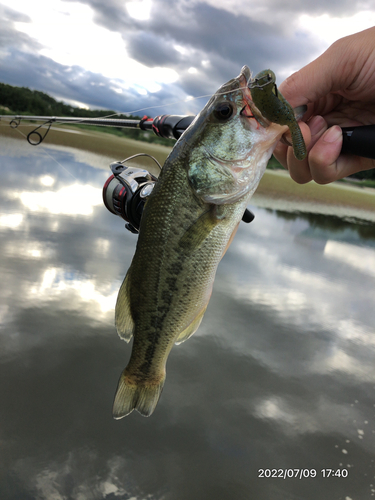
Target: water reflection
column 280, row 374
column 361, row 259
column 76, row 199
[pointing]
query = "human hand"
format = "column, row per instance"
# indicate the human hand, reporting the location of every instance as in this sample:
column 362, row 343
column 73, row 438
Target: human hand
column 339, row 90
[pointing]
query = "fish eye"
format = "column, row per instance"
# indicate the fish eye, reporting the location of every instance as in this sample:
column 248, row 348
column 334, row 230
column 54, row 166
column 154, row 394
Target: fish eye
column 223, row 111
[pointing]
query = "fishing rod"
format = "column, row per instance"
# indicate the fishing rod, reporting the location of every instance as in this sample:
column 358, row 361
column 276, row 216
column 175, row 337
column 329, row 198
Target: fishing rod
column 126, row 190
column 359, row 141
column 167, row 126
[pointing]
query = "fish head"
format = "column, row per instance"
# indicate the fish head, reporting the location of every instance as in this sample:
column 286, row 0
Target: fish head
column 229, row 144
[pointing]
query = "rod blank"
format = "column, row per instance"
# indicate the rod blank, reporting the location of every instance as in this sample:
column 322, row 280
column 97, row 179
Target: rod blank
column 110, row 122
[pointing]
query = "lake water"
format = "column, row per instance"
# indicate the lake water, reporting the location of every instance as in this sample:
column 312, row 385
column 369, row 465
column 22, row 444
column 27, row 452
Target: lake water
column 279, row 378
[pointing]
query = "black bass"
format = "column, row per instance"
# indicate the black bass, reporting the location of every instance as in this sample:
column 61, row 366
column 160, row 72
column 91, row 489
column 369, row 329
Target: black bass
column 187, row 225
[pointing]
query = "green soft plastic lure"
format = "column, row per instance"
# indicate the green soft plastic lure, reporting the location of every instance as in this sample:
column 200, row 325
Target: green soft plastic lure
column 275, row 108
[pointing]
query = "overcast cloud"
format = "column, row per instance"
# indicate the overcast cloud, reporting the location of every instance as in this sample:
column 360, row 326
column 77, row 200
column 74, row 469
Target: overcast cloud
column 129, row 55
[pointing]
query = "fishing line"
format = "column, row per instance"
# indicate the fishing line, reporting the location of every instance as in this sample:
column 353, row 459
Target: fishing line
column 50, row 156
column 188, row 99
column 62, row 166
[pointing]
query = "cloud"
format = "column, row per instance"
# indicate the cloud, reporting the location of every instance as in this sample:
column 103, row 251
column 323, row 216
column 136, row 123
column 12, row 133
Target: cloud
column 9, row 36
column 184, row 48
column 153, row 50
column 269, row 10
column 70, row 84
column 225, row 39
column 111, row 14
column 10, row 15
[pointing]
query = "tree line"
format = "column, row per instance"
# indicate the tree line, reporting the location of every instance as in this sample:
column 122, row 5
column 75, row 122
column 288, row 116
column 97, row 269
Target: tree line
column 23, row 101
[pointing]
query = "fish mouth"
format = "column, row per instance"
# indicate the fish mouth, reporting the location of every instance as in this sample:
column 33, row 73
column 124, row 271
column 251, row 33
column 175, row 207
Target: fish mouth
column 249, row 109
column 244, row 80
column 246, row 73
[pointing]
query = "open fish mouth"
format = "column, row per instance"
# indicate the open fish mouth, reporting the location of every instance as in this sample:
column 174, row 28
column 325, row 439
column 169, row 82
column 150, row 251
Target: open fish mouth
column 250, row 110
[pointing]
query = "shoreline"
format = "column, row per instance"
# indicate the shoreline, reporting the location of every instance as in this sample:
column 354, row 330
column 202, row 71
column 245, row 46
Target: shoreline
column 276, row 190
column 279, row 192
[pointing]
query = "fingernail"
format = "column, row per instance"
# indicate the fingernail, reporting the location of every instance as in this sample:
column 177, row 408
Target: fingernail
column 333, row 134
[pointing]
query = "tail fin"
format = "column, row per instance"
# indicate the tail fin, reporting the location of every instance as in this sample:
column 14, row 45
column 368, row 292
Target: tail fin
column 129, row 397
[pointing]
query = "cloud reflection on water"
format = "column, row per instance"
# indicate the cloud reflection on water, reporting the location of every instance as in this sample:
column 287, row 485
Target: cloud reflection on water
column 305, row 295
column 80, row 291
column 76, row 199
column 11, row 220
column 362, row 259
column 55, row 256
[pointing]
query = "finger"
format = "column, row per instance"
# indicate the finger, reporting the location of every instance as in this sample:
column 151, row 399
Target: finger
column 348, row 165
column 326, row 162
column 280, row 154
column 324, row 154
column 346, row 66
column 282, row 151
column 331, row 71
column 300, row 170
column 310, row 83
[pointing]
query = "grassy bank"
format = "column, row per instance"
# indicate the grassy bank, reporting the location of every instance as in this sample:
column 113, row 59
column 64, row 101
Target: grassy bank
column 278, row 184
column 275, row 185
column 94, row 141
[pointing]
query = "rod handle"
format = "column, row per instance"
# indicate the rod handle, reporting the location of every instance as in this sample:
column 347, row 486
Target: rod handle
column 359, row 141
column 171, row 126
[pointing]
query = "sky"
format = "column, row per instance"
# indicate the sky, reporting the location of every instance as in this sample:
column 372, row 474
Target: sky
column 160, row 54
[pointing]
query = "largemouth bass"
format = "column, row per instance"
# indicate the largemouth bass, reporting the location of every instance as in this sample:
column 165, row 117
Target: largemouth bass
column 188, row 223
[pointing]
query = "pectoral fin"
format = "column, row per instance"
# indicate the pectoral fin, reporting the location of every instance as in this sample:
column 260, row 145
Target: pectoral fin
column 123, row 318
column 200, row 229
